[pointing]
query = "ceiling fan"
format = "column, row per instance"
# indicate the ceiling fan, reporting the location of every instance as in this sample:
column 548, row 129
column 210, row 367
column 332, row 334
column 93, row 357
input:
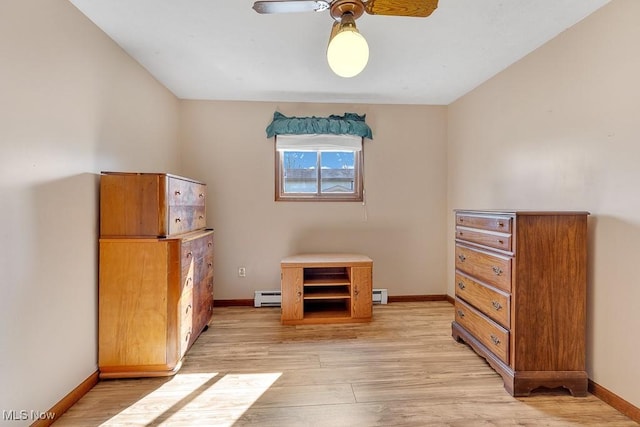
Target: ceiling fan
column 348, row 51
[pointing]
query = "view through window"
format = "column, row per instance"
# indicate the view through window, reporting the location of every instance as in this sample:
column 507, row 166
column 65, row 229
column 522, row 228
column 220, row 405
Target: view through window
column 320, row 174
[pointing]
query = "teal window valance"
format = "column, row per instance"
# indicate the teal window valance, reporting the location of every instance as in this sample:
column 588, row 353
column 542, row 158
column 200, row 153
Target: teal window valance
column 348, row 124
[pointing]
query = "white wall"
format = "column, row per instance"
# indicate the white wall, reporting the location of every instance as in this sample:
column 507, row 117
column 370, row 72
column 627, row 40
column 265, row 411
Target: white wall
column 71, row 104
column 401, row 226
column 560, row 130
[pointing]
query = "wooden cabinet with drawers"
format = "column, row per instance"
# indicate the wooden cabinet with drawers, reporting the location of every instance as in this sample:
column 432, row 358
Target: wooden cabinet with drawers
column 520, row 283
column 156, row 273
column 150, row 205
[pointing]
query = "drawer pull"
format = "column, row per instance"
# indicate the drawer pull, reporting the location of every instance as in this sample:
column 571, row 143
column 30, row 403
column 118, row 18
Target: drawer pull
column 200, row 217
column 209, row 264
column 189, row 254
column 500, row 224
column 500, row 241
column 177, row 192
column 209, row 244
column 460, row 313
column 460, row 233
column 461, row 257
column 460, row 220
column 178, row 220
column 495, row 339
column 461, row 285
column 497, row 270
column 187, row 310
column 201, row 195
column 496, row 305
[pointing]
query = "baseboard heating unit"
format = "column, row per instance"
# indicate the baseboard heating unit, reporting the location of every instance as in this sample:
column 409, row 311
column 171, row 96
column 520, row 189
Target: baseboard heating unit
column 380, row 296
column 274, row 298
column 267, row 299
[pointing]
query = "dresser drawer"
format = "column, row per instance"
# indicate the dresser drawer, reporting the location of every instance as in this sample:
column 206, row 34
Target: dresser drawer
column 188, row 280
column 204, row 268
column 186, row 320
column 489, row 268
column 492, row 302
column 486, row 222
column 489, row 333
column 197, row 255
column 183, row 219
column 186, row 309
column 186, row 193
column 188, row 265
column 487, row 238
column 203, row 243
column 203, row 302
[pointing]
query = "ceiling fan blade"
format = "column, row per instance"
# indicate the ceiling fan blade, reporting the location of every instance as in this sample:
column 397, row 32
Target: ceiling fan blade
column 290, row 6
column 417, row 8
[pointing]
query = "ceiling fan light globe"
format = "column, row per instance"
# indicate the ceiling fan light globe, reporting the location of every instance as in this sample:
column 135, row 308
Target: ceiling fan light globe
column 348, row 53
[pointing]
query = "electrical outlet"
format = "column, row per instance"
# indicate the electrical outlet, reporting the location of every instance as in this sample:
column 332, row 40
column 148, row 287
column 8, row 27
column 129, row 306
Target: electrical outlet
column 242, row 272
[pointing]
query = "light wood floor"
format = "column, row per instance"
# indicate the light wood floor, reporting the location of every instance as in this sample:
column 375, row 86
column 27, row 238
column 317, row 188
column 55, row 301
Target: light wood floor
column 402, row 369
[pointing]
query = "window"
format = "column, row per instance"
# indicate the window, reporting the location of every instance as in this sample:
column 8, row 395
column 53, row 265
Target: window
column 319, row 167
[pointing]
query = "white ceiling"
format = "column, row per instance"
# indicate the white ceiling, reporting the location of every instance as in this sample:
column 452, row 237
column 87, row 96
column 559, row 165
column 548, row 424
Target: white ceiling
column 224, row 50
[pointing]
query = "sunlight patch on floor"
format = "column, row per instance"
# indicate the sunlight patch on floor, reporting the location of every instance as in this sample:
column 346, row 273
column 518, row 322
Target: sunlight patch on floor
column 198, row 398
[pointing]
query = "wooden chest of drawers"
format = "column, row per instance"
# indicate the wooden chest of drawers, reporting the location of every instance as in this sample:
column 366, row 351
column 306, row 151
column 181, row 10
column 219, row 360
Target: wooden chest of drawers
column 150, row 205
column 156, row 273
column 520, row 302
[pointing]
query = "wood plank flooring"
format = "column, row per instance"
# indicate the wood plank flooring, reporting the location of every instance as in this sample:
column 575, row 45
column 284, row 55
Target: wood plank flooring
column 402, row 369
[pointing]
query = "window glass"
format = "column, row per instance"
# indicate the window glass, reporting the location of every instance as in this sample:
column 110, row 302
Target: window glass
column 337, row 171
column 300, row 171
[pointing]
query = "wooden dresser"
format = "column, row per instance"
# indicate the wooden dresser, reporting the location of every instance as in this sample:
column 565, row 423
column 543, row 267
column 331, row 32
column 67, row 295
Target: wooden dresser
column 520, row 283
column 326, row 288
column 156, row 272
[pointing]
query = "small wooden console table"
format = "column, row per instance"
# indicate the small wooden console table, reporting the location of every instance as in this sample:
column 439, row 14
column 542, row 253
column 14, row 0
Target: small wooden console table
column 326, row 288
